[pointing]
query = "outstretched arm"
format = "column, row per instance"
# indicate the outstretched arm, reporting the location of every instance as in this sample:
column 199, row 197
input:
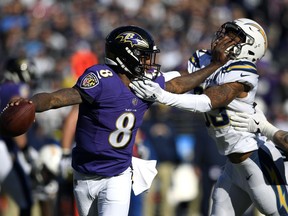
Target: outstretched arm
column 214, row 97
column 54, row 100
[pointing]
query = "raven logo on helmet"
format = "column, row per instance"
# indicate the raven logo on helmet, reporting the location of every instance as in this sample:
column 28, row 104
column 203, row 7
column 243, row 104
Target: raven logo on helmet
column 133, row 38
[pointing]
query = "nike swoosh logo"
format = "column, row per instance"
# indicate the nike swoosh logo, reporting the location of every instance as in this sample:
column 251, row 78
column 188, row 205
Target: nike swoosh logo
column 257, row 123
column 248, row 177
column 244, row 75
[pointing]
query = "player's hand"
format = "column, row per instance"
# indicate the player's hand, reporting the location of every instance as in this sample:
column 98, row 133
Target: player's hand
column 256, row 122
column 219, row 50
column 249, row 122
column 147, row 90
column 17, row 100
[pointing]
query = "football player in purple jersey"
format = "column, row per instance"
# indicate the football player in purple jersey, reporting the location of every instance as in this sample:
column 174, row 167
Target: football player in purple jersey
column 110, row 114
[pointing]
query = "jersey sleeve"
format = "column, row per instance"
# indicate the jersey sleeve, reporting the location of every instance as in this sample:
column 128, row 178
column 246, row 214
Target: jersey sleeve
column 241, row 71
column 89, row 85
column 199, row 59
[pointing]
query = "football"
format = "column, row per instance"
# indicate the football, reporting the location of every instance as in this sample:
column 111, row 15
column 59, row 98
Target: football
column 16, row 120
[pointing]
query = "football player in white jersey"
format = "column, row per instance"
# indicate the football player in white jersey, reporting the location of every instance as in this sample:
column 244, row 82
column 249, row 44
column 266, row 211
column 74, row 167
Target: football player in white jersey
column 252, row 174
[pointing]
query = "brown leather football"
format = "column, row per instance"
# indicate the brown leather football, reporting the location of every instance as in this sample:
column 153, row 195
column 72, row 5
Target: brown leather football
column 16, row 120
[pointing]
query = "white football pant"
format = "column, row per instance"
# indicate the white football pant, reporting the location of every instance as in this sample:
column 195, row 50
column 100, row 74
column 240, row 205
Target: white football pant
column 101, row 196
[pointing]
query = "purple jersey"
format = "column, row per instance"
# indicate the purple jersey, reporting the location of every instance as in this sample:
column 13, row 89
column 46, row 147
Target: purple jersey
column 107, row 123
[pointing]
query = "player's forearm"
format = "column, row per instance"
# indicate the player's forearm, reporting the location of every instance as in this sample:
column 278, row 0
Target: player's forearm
column 189, row 102
column 188, row 82
column 280, row 139
column 222, row 95
column 42, row 101
column 64, row 97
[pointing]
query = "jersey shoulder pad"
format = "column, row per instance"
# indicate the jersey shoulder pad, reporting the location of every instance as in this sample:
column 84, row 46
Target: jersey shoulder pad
column 95, row 75
column 244, row 66
column 200, row 59
column 96, row 80
column 241, row 71
column 196, row 57
column 88, row 80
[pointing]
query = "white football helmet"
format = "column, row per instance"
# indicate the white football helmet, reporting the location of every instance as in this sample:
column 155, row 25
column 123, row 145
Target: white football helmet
column 254, row 40
column 50, row 156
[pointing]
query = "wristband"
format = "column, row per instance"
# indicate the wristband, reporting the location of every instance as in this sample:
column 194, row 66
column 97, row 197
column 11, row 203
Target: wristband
column 269, row 130
column 66, row 151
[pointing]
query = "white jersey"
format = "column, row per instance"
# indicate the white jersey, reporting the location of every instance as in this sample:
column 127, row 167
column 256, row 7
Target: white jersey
column 228, row 140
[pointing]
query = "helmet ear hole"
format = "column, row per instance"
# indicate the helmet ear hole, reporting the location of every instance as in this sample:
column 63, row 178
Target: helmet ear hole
column 251, row 53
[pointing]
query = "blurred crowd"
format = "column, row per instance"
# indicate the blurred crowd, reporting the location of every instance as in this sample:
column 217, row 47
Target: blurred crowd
column 62, row 37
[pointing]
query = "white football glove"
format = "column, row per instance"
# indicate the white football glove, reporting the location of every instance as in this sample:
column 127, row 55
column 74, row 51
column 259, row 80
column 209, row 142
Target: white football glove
column 147, row 90
column 254, row 123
